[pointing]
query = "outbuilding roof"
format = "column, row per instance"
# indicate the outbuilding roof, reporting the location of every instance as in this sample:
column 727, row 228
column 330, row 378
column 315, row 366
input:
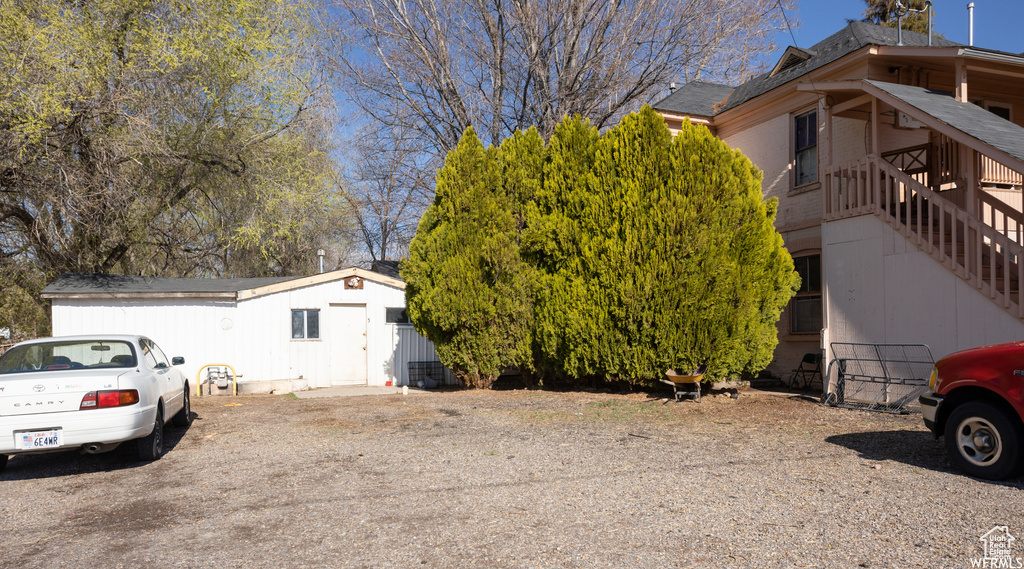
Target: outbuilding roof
column 79, row 283
column 89, row 285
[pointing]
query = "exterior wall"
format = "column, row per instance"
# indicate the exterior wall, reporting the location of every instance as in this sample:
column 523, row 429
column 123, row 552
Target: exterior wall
column 792, row 347
column 269, row 352
column 883, row 289
column 877, row 287
column 254, row 335
column 409, row 346
column 201, row 331
column 799, row 215
column 767, row 146
column 850, row 140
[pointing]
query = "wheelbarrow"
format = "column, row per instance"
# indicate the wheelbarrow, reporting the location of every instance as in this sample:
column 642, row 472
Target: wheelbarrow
column 685, row 384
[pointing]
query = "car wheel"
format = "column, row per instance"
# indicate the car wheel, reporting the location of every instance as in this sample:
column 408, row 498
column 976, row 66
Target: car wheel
column 151, row 446
column 983, row 441
column 184, row 417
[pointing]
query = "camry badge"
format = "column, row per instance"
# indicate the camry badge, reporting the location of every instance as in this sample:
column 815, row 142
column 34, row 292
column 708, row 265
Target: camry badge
column 39, row 388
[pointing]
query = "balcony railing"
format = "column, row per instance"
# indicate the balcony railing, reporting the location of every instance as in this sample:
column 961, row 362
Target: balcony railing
column 938, row 163
column 977, row 252
column 993, row 172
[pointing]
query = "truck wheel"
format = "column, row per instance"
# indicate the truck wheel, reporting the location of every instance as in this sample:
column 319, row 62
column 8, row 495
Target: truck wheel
column 983, row 441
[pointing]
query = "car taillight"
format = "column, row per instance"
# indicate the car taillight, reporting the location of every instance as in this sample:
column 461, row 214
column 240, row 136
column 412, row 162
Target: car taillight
column 101, row 399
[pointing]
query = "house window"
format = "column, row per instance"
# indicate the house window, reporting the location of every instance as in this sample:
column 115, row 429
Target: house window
column 1001, row 110
column 397, row 316
column 805, row 146
column 805, row 308
column 305, row 324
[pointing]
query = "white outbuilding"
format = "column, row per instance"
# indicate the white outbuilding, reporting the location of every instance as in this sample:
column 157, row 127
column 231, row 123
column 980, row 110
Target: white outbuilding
column 344, row 327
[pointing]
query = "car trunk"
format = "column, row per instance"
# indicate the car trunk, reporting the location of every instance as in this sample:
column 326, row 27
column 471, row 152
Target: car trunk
column 52, row 391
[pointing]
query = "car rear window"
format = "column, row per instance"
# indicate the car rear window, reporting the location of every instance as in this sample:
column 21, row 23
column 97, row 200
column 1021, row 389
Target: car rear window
column 67, row 355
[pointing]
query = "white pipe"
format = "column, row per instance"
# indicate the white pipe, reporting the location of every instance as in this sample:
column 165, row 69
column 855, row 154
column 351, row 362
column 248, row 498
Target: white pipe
column 930, row 13
column 970, row 24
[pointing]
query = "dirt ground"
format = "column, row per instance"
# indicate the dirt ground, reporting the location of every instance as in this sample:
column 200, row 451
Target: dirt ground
column 511, row 479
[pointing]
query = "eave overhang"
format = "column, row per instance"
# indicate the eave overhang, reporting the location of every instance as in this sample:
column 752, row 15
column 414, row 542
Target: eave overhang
column 852, row 90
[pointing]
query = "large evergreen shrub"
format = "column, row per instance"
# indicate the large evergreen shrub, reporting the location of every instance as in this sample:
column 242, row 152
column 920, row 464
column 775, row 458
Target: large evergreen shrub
column 467, row 288
column 621, row 255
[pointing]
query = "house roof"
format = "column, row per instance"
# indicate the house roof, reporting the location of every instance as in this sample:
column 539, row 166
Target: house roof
column 978, row 128
column 849, row 39
column 88, row 285
column 387, row 268
column 967, row 118
column 695, row 98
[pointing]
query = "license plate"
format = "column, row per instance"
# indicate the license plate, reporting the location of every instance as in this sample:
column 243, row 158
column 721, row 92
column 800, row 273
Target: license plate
column 32, row 440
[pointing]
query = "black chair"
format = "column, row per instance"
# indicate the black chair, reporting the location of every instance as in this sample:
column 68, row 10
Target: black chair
column 805, row 374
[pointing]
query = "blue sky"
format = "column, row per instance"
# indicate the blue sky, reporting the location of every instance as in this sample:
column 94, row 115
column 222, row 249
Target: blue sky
column 997, row 23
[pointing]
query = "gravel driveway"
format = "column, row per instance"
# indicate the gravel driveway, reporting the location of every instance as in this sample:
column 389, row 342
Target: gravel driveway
column 511, row 479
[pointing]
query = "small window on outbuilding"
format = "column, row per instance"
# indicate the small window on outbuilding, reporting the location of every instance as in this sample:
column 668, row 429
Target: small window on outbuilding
column 305, row 324
column 397, row 316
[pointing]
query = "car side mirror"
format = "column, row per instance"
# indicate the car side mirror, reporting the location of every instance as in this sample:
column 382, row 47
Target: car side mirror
column 177, row 361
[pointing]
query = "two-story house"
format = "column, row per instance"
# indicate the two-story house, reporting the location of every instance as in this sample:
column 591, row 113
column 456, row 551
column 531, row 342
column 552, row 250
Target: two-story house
column 898, row 172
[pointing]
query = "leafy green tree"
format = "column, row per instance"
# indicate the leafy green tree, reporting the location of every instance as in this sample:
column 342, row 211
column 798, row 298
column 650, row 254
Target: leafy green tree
column 148, row 137
column 467, row 288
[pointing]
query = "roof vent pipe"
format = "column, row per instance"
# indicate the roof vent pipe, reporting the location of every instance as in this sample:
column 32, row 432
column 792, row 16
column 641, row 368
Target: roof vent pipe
column 900, row 12
column 928, row 13
column 970, row 24
column 931, row 16
column 672, row 87
column 320, row 253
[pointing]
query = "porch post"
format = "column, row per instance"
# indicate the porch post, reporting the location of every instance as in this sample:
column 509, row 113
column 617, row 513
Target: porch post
column 874, row 128
column 970, row 170
column 825, row 158
column 826, row 195
column 961, row 80
column 878, row 193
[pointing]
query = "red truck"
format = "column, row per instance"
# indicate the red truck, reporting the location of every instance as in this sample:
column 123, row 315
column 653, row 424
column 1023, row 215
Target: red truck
column 977, row 403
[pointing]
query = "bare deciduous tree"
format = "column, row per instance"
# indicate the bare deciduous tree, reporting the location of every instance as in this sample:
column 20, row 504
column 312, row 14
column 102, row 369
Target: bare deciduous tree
column 436, row 67
column 388, row 189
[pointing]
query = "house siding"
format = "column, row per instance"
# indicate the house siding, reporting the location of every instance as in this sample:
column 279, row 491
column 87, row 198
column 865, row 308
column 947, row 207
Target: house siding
column 189, row 328
column 882, row 288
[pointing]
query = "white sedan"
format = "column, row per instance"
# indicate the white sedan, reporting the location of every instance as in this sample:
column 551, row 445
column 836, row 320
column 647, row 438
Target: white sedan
column 89, row 393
